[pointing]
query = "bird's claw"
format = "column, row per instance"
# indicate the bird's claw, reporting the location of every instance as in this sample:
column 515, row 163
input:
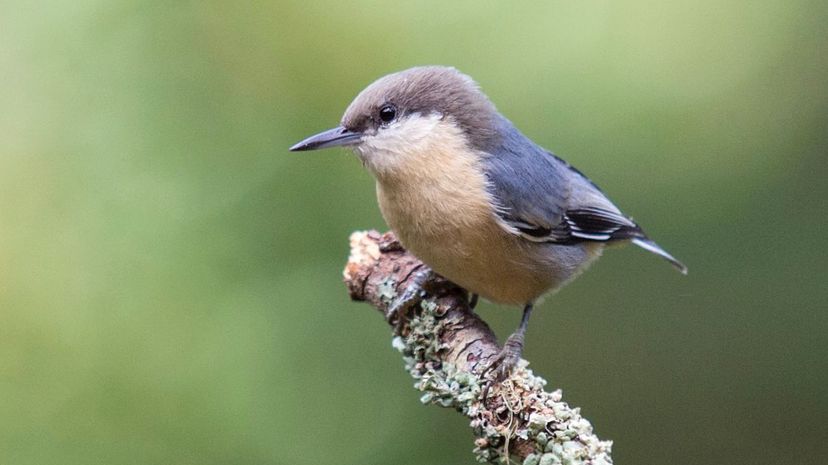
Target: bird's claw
column 398, row 310
column 392, row 245
column 473, row 301
column 412, row 295
column 504, row 362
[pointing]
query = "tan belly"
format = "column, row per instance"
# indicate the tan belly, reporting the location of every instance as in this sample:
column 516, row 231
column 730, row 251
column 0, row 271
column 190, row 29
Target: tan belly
column 461, row 240
column 488, row 270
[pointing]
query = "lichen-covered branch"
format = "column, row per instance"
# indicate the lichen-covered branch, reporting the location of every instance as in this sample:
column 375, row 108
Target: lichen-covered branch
column 445, row 346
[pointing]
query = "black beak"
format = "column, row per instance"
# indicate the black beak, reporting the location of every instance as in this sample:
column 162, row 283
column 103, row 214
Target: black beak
column 335, row 137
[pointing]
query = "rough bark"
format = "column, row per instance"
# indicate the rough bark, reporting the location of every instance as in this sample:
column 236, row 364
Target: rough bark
column 445, row 347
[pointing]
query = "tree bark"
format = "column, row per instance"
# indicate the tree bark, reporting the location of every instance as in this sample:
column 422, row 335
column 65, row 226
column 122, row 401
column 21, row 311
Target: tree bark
column 446, row 346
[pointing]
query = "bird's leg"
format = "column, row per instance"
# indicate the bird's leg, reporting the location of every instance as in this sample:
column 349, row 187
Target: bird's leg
column 473, row 300
column 510, row 354
column 413, row 293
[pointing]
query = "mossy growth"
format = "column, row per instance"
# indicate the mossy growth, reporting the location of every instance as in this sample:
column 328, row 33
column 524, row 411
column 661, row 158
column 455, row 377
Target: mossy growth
column 387, row 290
column 557, row 433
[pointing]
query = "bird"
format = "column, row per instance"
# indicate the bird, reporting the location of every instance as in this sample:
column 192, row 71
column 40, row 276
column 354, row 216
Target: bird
column 475, row 199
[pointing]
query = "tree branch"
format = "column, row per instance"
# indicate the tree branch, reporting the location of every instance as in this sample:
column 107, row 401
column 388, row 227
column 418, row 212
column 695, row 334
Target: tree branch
column 445, row 346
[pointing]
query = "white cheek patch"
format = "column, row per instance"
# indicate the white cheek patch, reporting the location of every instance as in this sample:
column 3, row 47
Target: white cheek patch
column 404, row 136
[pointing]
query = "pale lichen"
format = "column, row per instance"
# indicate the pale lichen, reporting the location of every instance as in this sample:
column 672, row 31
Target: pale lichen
column 556, row 433
column 387, row 290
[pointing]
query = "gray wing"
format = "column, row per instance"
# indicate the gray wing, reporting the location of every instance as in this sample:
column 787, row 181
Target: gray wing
column 544, row 199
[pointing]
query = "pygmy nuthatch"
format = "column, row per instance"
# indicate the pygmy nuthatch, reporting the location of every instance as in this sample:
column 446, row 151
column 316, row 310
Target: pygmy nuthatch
column 472, row 197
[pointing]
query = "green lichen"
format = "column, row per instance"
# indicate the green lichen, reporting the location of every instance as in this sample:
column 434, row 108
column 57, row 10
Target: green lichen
column 442, row 383
column 559, row 434
column 387, row 290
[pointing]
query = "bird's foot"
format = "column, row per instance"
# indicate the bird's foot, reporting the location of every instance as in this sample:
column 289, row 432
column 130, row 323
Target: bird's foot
column 397, row 313
column 473, row 300
column 389, row 243
column 504, row 362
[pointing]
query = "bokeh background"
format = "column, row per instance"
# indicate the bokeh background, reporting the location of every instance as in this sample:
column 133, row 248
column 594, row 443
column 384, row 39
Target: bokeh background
column 170, row 275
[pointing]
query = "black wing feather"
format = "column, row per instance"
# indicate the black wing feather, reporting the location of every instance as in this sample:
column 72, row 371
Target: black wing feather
column 601, row 225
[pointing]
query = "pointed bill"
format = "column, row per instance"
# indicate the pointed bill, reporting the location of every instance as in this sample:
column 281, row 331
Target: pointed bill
column 335, row 137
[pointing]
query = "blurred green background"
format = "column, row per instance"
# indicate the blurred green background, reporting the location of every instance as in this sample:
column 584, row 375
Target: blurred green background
column 170, row 276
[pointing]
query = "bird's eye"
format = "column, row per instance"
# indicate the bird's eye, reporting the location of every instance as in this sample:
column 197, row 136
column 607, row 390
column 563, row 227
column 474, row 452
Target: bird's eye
column 387, row 113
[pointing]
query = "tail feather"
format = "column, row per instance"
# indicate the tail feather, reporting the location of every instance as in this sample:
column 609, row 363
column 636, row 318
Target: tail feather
column 651, row 246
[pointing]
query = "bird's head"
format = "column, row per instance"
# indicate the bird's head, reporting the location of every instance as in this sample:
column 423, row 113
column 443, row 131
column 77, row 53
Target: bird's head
column 406, row 115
